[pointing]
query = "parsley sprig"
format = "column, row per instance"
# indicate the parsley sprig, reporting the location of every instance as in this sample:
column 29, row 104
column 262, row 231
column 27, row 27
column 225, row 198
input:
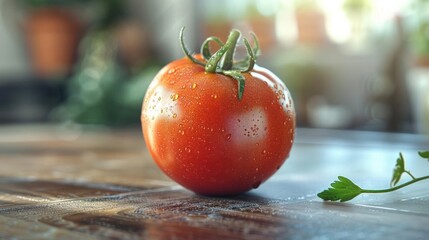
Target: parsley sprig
column 344, row 189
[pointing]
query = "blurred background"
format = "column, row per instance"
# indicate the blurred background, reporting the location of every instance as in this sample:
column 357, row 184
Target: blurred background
column 349, row 64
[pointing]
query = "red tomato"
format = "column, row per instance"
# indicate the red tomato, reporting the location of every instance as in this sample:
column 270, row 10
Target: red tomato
column 206, row 139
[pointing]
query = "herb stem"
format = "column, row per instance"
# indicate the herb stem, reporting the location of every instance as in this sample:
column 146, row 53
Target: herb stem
column 397, row 187
column 409, row 174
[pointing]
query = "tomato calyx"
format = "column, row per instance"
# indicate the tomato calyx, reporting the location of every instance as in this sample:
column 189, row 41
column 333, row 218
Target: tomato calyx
column 222, row 61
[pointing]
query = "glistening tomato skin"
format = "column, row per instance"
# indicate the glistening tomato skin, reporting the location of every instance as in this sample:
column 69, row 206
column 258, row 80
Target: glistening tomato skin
column 206, row 139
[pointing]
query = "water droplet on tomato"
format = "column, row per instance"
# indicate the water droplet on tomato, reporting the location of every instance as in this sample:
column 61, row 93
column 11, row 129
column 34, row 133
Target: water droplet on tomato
column 256, row 184
column 174, row 115
column 264, row 151
column 194, row 85
column 228, row 137
column 257, row 169
column 171, row 71
column 174, row 97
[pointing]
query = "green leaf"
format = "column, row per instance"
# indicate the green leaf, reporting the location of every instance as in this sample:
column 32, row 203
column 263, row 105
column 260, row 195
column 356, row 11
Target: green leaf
column 342, row 190
column 424, row 154
column 345, row 190
column 398, row 170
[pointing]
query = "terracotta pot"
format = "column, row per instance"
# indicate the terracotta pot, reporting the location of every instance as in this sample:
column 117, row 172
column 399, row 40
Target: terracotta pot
column 311, row 27
column 422, row 61
column 52, row 36
column 219, row 29
column 264, row 28
column 418, row 87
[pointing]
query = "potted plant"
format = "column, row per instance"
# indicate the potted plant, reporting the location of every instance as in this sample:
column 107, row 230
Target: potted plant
column 357, row 14
column 420, row 43
column 52, row 31
column 418, row 79
column 310, row 21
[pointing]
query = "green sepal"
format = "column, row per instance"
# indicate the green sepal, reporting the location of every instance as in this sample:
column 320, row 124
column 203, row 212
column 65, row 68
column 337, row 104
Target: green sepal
column 247, row 64
column 240, row 81
column 185, row 49
column 205, row 49
column 256, row 49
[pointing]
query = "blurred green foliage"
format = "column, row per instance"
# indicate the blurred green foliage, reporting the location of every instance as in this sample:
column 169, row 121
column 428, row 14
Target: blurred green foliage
column 47, row 3
column 420, row 33
column 101, row 92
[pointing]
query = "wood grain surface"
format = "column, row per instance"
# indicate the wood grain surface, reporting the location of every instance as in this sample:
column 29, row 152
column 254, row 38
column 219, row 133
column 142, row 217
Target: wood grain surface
column 61, row 183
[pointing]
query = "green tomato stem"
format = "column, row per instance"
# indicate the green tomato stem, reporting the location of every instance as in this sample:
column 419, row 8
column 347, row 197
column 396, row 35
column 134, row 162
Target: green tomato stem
column 397, row 187
column 228, row 50
column 222, row 61
column 229, row 55
column 409, row 174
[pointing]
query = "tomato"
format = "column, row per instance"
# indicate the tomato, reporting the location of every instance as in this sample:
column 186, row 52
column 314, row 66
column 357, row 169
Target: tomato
column 208, row 140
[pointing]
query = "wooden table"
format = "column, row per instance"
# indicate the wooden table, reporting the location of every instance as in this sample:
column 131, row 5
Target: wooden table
column 74, row 183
